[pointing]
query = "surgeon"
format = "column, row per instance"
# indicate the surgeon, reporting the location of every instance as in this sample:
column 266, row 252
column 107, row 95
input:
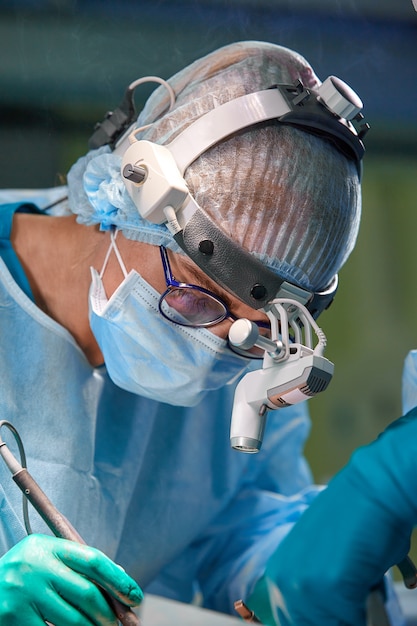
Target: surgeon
column 115, row 362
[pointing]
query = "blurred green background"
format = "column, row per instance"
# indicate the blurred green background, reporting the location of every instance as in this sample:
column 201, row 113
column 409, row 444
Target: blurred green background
column 372, row 323
column 64, row 63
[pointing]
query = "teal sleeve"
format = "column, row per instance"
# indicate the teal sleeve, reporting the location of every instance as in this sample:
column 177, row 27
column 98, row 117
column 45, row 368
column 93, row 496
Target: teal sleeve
column 7, row 252
column 343, row 544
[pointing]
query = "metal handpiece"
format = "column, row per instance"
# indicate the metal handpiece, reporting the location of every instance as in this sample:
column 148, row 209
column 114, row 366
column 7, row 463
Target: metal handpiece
column 245, row 612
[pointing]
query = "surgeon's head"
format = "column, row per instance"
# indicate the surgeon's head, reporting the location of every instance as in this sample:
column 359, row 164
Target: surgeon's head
column 285, row 196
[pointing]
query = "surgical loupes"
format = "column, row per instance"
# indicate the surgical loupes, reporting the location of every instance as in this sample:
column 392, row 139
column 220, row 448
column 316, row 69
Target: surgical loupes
column 293, row 370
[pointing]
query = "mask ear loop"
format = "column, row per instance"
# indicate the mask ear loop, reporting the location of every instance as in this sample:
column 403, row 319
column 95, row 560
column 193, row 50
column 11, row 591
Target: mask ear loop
column 113, row 248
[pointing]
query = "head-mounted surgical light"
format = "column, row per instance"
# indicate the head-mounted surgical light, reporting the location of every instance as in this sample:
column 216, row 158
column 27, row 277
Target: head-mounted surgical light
column 293, row 370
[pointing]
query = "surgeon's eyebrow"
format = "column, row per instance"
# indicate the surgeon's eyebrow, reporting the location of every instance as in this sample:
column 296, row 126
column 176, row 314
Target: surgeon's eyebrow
column 203, row 280
column 232, row 302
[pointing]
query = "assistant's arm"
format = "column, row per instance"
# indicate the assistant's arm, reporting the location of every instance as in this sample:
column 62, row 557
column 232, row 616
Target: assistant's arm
column 352, row 533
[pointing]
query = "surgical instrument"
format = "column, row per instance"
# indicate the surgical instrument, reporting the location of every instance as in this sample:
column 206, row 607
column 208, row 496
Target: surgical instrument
column 57, row 522
column 245, row 613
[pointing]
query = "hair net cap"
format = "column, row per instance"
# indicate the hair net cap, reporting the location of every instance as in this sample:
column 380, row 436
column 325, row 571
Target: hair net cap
column 287, row 197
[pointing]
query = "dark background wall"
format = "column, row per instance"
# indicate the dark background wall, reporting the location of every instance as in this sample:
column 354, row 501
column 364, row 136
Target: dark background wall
column 64, row 63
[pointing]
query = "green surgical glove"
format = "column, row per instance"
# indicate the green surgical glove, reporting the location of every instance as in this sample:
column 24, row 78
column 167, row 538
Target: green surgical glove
column 43, row 578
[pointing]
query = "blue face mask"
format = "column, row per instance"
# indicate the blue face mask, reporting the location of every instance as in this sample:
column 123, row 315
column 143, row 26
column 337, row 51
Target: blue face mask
column 151, row 356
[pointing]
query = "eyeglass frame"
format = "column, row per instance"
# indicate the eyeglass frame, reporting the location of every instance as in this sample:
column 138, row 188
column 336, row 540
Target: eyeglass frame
column 172, row 283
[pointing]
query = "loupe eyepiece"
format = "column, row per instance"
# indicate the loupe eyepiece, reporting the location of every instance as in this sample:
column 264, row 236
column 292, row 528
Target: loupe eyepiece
column 244, row 334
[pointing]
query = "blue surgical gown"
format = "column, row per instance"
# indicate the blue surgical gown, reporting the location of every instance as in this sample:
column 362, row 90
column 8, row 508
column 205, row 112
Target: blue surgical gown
column 156, row 487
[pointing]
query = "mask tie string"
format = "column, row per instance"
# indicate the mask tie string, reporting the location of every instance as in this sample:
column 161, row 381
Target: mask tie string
column 113, row 248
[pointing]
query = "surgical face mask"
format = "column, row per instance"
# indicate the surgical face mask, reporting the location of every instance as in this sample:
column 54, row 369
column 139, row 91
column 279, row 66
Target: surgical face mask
column 148, row 355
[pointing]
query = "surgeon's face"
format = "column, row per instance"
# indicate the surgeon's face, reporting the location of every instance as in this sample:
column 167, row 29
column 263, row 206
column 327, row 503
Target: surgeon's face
column 187, row 271
column 146, row 260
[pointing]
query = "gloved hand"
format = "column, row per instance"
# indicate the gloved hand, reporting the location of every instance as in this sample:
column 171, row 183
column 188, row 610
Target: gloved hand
column 43, row 578
column 352, row 533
